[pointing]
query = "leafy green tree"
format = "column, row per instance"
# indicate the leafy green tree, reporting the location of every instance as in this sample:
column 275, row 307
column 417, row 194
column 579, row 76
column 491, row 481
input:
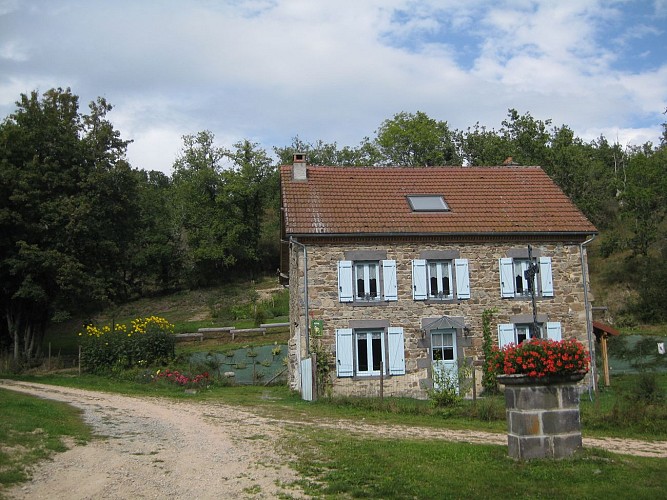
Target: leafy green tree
column 528, row 138
column 202, row 211
column 66, row 214
column 157, row 260
column 480, row 146
column 250, row 185
column 329, row 154
column 645, row 197
column 416, row 140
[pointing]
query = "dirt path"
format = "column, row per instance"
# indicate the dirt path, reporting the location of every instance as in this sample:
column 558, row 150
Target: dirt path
column 165, row 449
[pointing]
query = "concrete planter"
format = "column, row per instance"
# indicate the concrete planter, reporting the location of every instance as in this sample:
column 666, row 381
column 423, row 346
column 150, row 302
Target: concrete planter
column 542, row 415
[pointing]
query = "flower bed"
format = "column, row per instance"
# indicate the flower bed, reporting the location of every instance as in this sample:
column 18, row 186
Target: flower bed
column 541, row 358
column 199, row 381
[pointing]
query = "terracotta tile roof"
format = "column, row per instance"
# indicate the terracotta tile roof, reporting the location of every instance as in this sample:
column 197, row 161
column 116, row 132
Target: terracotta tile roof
column 372, row 200
column 602, row 328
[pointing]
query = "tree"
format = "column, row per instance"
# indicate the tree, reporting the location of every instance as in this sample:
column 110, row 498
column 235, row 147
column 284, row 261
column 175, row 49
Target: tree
column 416, row 140
column 202, row 211
column 157, row 257
column 329, row 154
column 528, row 138
column 645, row 197
column 66, row 214
column 480, row 146
column 251, row 184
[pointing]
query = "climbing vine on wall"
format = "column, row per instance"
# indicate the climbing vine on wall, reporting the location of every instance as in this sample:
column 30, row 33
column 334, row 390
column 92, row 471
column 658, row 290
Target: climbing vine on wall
column 489, row 377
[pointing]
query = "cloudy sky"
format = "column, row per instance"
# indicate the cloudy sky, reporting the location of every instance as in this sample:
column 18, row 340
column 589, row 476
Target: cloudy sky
column 269, row 70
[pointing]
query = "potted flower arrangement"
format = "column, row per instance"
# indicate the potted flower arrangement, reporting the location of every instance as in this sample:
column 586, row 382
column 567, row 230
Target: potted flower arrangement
column 543, row 360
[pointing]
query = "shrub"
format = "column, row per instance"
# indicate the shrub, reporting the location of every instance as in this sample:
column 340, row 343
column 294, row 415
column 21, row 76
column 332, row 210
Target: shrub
column 647, row 390
column 148, row 341
column 449, row 386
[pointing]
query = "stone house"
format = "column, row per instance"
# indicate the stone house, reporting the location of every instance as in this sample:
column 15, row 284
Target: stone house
column 390, row 269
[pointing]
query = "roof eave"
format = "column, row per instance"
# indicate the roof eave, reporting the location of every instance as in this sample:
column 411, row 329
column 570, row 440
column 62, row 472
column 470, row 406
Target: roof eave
column 560, row 234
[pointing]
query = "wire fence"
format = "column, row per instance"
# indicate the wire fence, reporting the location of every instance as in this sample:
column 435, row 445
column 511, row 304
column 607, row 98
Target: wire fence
column 636, row 353
column 258, row 365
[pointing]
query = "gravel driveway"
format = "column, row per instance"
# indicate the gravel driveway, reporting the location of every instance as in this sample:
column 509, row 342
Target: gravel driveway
column 160, row 448
column 157, row 448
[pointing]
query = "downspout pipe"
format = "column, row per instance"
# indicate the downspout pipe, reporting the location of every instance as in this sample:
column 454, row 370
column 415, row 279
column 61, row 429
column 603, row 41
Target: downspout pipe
column 592, row 387
column 305, row 290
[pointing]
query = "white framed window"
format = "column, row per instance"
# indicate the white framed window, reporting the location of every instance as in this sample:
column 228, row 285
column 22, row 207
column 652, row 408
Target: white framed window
column 440, row 279
column 367, row 281
column 514, row 281
column 442, row 345
column 515, row 333
column 367, row 352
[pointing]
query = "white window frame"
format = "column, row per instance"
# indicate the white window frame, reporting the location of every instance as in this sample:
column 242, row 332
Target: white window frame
column 511, row 333
column 382, row 271
column 366, row 272
column 392, row 344
column 438, row 270
column 442, row 347
column 511, row 268
column 369, row 337
column 456, row 270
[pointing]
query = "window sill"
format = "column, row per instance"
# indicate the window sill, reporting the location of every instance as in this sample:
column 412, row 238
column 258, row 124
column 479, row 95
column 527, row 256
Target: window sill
column 526, row 297
column 370, row 303
column 440, row 301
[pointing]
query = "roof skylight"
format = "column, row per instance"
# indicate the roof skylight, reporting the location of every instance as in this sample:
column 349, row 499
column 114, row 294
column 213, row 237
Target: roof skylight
column 427, row 203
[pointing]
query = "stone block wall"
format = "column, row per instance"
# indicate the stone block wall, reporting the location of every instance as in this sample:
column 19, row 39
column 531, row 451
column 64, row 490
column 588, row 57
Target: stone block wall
column 567, row 306
column 542, row 421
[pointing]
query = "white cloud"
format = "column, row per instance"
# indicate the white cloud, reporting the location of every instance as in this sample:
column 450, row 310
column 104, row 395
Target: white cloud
column 155, row 149
column 270, row 70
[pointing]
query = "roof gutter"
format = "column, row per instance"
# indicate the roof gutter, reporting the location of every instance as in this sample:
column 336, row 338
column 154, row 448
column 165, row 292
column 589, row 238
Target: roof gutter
column 592, row 386
column 580, row 234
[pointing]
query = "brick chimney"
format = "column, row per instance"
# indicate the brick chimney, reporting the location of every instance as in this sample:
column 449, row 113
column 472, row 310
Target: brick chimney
column 299, row 167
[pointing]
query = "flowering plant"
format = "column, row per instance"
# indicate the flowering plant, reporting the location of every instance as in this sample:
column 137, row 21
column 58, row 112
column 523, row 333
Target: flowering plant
column 178, row 378
column 540, row 358
column 147, row 341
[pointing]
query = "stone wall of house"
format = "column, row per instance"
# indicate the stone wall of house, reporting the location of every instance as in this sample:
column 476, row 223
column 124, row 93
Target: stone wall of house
column 567, row 306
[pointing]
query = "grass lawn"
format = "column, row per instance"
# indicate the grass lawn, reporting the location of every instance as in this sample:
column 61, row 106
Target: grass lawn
column 336, row 465
column 32, row 429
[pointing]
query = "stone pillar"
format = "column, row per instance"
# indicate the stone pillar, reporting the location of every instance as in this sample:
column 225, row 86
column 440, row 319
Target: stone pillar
column 542, row 416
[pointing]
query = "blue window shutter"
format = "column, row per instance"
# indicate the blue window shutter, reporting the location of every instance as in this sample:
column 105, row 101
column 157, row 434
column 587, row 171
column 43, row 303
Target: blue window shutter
column 344, row 349
column 546, row 277
column 506, row 277
column 345, row 288
column 419, row 291
column 389, row 280
column 462, row 279
column 506, row 335
column 554, row 331
column 396, row 351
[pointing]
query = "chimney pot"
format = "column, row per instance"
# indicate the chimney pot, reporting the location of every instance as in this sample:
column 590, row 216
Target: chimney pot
column 299, row 167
